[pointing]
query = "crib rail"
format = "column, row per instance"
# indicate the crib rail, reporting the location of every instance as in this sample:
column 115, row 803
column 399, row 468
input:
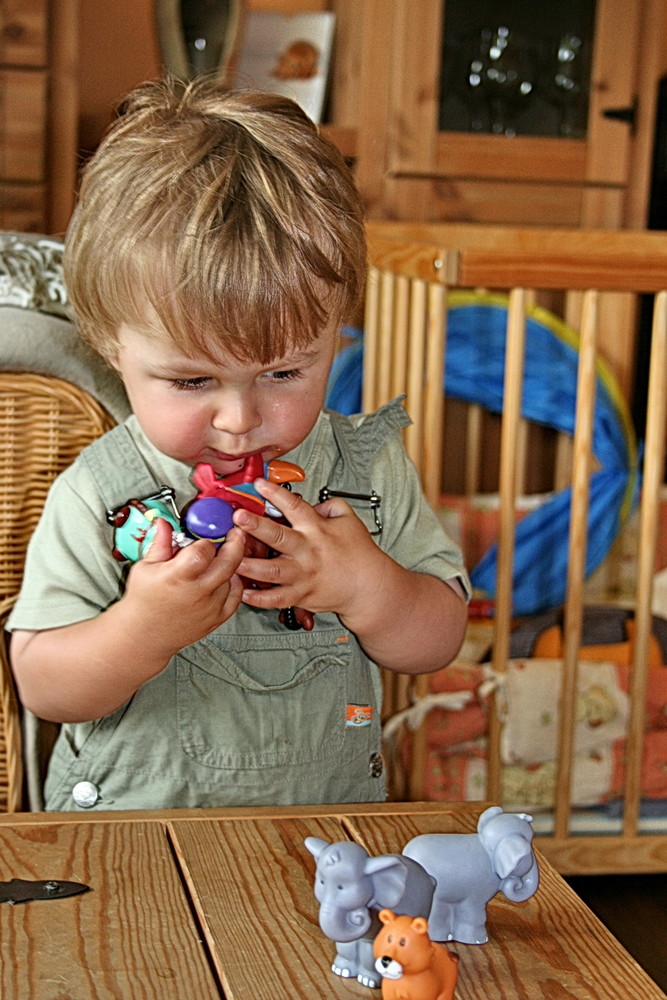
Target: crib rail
column 413, row 268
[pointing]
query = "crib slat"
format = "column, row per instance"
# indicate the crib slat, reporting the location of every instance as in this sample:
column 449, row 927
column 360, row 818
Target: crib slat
column 654, row 458
column 563, row 463
column 434, row 392
column 512, row 393
column 473, row 449
column 414, row 434
column 581, row 472
column 369, row 398
column 399, row 347
column 386, row 337
column 521, row 456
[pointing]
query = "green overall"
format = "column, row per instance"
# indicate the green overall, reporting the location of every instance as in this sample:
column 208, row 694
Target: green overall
column 253, row 714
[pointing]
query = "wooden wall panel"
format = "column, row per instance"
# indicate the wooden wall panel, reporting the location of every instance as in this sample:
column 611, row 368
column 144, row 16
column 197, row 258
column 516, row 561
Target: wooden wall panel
column 23, row 32
column 22, row 126
column 22, row 207
column 497, row 203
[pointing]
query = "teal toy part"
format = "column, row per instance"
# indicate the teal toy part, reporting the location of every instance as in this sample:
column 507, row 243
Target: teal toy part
column 474, row 373
column 134, row 523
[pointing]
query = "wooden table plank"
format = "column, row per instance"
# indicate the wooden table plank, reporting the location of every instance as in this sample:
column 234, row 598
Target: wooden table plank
column 552, row 946
column 132, row 936
column 251, row 882
column 115, row 816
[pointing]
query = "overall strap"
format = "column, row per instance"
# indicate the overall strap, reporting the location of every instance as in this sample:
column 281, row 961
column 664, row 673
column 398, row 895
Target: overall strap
column 118, row 450
column 358, row 443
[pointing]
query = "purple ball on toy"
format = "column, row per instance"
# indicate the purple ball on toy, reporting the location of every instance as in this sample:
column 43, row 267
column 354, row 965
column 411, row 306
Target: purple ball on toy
column 209, row 517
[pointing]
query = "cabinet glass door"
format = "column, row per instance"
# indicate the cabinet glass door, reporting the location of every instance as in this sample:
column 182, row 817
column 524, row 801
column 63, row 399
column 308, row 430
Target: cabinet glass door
column 488, row 102
column 516, row 67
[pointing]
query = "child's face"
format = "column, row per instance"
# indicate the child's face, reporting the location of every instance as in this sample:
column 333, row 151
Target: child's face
column 196, row 410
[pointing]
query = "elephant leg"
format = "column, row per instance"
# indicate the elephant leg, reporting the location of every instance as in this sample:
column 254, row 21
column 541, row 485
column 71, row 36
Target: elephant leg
column 441, row 919
column 346, row 962
column 469, row 922
column 367, row 974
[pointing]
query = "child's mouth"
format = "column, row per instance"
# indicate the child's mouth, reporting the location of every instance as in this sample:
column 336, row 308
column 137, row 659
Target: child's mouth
column 224, row 464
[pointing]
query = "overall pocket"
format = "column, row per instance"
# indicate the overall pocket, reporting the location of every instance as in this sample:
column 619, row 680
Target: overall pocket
column 253, row 701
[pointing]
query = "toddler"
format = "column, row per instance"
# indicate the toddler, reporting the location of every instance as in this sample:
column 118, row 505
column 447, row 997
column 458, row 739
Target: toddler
column 216, row 248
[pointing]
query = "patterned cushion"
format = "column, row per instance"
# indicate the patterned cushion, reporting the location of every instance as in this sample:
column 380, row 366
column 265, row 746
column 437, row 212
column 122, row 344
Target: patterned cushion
column 37, row 330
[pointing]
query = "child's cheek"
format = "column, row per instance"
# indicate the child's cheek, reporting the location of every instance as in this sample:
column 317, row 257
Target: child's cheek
column 176, row 429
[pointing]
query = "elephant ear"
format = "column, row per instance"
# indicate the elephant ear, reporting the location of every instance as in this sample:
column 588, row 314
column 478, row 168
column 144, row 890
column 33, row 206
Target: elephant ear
column 510, row 854
column 491, row 813
column 315, row 845
column 389, row 875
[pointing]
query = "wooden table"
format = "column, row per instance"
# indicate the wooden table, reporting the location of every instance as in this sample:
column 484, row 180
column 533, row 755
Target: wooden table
column 203, row 904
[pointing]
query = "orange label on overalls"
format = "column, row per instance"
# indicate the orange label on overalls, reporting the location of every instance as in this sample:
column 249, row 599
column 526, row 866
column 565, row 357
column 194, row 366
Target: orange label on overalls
column 359, row 715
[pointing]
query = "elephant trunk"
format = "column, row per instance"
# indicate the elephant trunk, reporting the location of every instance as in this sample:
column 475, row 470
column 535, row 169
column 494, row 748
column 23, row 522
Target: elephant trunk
column 344, row 925
column 520, row 888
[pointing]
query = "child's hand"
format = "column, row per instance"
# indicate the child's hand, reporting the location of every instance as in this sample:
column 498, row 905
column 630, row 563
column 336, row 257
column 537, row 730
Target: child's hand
column 326, row 561
column 84, row 671
column 187, row 595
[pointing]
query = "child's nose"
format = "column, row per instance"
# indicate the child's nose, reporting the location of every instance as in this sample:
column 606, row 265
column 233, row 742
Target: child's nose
column 236, row 414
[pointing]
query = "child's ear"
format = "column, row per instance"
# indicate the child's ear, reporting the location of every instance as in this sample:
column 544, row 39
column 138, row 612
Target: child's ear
column 111, row 358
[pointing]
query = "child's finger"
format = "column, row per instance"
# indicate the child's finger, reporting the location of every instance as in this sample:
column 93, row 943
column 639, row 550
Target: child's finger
column 272, row 533
column 227, row 558
column 160, row 547
column 290, row 504
column 334, row 507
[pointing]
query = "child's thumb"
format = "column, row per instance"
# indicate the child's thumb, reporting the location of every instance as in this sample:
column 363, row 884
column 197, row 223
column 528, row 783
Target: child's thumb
column 160, row 547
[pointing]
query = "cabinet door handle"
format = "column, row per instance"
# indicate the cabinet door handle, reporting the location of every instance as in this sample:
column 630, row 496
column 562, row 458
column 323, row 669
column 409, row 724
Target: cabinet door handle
column 627, row 115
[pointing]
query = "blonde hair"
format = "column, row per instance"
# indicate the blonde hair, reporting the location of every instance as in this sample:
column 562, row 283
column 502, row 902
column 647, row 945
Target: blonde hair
column 223, row 218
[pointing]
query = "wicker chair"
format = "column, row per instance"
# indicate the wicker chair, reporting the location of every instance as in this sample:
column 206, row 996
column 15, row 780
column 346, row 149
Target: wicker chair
column 55, row 398
column 44, row 424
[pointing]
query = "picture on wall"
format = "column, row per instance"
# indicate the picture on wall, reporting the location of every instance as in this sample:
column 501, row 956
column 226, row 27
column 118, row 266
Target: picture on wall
column 288, row 55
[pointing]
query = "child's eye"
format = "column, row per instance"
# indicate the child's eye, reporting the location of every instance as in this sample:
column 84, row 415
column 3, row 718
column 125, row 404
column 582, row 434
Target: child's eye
column 190, row 383
column 285, row 376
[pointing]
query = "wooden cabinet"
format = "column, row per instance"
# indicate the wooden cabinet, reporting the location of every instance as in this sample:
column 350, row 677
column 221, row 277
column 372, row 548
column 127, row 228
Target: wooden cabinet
column 23, row 83
column 383, row 112
column 408, row 169
column 38, row 113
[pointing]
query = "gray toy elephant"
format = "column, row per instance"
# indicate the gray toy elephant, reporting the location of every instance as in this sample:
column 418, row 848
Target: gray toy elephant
column 471, row 868
column 351, row 888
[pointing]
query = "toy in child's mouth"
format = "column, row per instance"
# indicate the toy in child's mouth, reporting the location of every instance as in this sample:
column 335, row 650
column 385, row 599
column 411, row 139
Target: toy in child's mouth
column 208, row 515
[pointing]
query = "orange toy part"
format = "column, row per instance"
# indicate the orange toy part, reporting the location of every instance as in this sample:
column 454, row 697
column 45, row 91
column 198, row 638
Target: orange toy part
column 279, row 471
column 549, row 646
column 412, row 966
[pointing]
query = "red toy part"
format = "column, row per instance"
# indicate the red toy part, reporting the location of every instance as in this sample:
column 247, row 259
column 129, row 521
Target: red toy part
column 411, row 965
column 237, row 489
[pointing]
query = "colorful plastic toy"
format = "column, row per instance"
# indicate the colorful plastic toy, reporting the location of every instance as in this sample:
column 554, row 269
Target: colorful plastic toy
column 411, row 965
column 208, row 515
column 351, row 887
column 238, row 489
column 135, row 521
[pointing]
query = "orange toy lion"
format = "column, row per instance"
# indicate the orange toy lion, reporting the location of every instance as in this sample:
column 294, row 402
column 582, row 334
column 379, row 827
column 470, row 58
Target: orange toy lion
column 411, row 965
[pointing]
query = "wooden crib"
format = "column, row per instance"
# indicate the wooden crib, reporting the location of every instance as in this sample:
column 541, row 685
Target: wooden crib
column 591, row 282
